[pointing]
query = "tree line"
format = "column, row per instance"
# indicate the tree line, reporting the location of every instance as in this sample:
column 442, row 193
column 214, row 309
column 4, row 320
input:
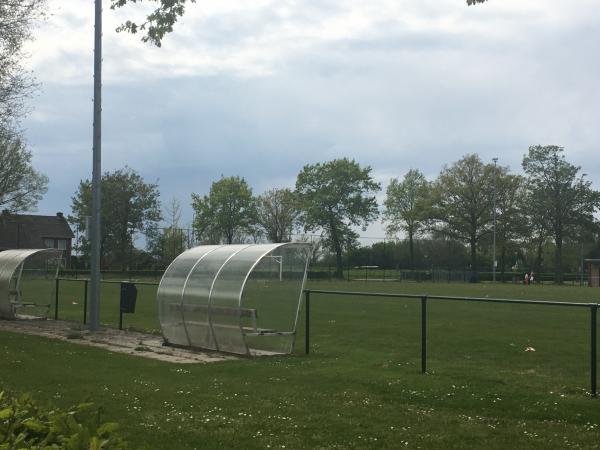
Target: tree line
column 552, row 203
column 547, row 207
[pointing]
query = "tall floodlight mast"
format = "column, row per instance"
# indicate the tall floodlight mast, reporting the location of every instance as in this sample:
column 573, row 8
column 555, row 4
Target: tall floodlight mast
column 494, row 212
column 94, row 292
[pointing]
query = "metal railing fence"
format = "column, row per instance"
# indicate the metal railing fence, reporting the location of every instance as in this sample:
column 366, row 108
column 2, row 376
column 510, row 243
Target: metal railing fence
column 85, row 282
column 593, row 308
column 423, row 298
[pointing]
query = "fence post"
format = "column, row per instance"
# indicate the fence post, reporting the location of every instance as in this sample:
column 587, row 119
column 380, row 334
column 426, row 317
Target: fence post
column 424, row 334
column 594, row 311
column 56, row 285
column 120, row 307
column 307, row 322
column 85, row 295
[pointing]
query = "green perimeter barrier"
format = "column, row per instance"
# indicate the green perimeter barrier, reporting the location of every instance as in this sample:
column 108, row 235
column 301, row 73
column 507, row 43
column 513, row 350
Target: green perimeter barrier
column 82, row 293
column 593, row 307
column 437, row 274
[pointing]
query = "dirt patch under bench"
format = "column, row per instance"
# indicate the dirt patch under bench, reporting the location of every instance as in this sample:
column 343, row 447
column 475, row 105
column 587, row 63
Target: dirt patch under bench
column 120, row 341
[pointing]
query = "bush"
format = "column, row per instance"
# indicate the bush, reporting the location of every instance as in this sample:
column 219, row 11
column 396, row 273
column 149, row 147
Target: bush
column 27, row 425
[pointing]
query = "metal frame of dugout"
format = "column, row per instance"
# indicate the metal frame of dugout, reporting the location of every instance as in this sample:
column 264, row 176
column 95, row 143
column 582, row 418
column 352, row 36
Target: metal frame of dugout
column 33, row 265
column 242, row 299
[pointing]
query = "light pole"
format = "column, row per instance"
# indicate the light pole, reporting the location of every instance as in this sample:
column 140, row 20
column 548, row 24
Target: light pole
column 494, row 215
column 581, row 250
column 94, row 292
column 581, row 265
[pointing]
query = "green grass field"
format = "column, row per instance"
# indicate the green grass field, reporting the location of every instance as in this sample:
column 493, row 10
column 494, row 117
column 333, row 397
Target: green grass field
column 361, row 386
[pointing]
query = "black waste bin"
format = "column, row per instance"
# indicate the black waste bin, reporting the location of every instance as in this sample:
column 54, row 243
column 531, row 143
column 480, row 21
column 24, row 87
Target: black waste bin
column 128, row 299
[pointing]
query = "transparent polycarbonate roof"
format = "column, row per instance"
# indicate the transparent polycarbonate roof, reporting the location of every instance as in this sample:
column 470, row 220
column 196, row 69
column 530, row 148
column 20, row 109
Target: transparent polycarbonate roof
column 240, row 299
column 26, row 275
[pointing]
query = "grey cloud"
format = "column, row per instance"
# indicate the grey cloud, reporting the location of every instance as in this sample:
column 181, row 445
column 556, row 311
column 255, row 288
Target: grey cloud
column 393, row 100
column 232, row 29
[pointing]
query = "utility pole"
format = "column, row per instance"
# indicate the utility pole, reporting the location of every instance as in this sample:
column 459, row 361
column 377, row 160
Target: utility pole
column 494, row 213
column 581, row 265
column 94, row 292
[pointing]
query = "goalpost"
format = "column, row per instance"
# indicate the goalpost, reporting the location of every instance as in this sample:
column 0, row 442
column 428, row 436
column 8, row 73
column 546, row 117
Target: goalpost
column 278, row 260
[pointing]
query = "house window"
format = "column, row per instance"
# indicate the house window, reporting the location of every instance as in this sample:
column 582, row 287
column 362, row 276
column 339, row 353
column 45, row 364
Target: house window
column 62, row 244
column 49, row 243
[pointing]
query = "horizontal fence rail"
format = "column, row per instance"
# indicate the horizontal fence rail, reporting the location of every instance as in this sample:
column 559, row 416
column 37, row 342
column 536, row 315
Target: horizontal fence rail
column 86, row 282
column 593, row 307
column 319, row 271
column 438, row 274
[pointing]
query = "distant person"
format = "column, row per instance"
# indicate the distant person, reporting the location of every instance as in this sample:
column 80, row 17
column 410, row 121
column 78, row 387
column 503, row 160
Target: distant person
column 531, row 278
column 526, row 279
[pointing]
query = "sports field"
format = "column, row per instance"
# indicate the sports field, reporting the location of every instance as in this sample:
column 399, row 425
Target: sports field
column 360, row 387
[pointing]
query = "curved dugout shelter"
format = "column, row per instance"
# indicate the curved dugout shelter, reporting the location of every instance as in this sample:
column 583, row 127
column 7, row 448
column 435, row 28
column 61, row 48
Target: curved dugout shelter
column 242, row 299
column 27, row 280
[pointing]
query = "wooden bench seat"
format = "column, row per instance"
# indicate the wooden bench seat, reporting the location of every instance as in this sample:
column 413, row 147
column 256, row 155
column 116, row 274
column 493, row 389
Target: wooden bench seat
column 18, row 305
column 248, row 331
column 227, row 311
column 266, row 332
column 233, row 326
column 218, row 310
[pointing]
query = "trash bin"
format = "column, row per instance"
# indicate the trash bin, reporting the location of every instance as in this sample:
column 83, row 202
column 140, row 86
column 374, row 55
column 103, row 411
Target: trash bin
column 128, row 297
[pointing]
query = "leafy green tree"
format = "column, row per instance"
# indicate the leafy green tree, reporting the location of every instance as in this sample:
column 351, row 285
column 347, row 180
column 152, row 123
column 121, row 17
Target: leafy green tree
column 276, row 212
column 156, row 24
column 563, row 198
column 538, row 230
column 227, row 214
column 334, row 197
column 17, row 19
column 129, row 205
column 21, row 186
column 511, row 213
column 406, row 207
column 462, row 202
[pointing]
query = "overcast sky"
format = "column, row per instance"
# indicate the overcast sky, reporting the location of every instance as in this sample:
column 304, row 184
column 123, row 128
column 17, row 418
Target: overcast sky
column 260, row 88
